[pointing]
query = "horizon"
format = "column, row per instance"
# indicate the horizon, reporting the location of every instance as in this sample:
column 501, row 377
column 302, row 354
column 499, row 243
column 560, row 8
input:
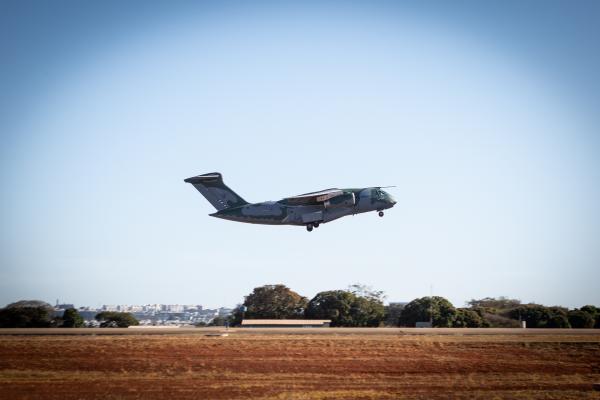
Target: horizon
column 385, row 301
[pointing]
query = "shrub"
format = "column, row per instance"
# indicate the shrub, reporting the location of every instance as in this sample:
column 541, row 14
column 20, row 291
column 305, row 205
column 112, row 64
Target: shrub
column 113, row 319
column 581, row 319
column 437, row 308
column 466, row 318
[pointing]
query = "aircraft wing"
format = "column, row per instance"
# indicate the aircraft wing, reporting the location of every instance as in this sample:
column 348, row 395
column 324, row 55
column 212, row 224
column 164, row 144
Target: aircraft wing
column 314, row 197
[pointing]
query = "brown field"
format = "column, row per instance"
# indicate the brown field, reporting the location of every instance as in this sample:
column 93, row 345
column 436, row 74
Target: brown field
column 328, row 364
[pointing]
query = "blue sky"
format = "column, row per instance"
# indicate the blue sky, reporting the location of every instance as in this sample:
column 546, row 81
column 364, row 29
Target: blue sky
column 484, row 116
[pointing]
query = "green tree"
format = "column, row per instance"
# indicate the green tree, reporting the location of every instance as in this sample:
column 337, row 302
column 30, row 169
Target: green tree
column 218, row 321
column 467, row 318
column 594, row 312
column 367, row 311
column 499, row 303
column 499, row 321
column 72, row 319
column 581, row 319
column 238, row 314
column 26, row 314
column 536, row 316
column 113, row 319
column 345, row 308
column 335, row 305
column 392, row 314
column 367, row 292
column 557, row 310
column 558, row 321
column 422, row 309
column 274, row 302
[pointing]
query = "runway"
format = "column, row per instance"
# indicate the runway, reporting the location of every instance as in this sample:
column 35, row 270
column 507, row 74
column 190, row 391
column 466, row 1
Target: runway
column 297, row 331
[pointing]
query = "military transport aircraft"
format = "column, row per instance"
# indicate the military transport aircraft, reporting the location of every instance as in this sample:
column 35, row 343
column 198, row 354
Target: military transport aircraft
column 309, row 209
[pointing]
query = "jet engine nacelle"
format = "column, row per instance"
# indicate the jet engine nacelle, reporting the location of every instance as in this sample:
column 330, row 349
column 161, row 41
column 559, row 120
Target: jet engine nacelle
column 345, row 200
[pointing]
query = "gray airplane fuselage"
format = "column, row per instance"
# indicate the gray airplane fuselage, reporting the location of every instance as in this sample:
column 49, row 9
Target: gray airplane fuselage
column 281, row 213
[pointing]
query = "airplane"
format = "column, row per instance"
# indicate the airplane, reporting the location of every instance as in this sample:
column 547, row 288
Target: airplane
column 309, row 209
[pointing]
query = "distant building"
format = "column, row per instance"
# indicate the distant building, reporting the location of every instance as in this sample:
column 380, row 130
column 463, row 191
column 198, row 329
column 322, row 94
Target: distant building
column 62, row 306
column 424, row 324
column 152, row 314
column 286, row 323
column 224, row 311
column 174, row 308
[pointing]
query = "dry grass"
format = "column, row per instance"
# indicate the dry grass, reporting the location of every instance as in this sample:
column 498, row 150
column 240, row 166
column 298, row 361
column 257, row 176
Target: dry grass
column 276, row 367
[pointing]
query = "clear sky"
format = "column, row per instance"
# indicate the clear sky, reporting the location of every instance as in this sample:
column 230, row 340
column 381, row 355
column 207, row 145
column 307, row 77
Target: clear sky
column 483, row 114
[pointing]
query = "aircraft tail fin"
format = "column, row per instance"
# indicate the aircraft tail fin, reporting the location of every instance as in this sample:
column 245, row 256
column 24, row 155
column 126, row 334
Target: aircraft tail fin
column 212, row 187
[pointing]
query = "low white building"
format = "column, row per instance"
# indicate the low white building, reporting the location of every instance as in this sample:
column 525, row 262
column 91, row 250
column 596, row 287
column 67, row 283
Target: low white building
column 286, row 323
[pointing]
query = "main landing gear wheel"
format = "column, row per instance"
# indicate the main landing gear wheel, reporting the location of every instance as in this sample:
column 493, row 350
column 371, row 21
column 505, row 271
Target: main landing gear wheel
column 316, row 224
column 381, row 213
column 309, row 227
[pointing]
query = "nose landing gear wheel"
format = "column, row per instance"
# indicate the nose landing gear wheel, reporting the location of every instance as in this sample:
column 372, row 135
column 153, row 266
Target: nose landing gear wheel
column 381, row 213
column 309, row 227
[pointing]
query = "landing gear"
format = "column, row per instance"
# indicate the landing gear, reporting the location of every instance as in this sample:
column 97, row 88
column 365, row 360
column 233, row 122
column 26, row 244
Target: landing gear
column 310, row 227
column 381, row 213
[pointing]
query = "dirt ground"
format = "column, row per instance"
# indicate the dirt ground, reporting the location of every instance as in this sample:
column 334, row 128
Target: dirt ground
column 303, row 366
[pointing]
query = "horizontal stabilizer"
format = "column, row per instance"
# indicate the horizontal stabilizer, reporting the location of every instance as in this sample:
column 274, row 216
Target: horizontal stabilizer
column 204, row 178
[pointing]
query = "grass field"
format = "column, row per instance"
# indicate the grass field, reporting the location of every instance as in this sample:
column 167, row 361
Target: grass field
column 270, row 365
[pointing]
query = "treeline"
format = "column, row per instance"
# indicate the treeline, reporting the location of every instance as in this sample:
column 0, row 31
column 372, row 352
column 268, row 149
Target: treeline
column 357, row 306
column 39, row 314
column 360, row 306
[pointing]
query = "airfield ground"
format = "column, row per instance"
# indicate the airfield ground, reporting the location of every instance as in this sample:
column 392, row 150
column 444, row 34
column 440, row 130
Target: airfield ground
column 300, row 364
